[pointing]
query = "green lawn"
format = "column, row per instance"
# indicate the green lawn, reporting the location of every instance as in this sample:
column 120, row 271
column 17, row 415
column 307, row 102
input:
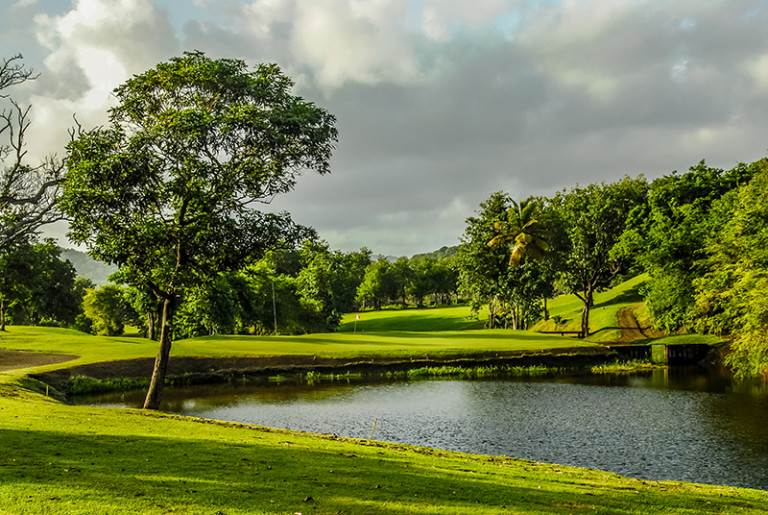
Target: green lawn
column 80, row 460
column 361, row 344
column 449, row 318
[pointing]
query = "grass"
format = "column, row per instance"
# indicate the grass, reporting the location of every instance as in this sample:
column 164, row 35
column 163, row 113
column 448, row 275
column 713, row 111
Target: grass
column 624, row 366
column 448, row 318
column 481, row 372
column 78, row 460
column 603, row 318
column 360, row 345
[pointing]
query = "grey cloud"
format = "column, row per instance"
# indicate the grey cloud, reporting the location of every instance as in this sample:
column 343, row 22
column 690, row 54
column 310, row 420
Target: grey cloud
column 568, row 98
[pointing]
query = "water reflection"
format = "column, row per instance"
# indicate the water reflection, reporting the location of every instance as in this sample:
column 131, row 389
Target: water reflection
column 677, row 424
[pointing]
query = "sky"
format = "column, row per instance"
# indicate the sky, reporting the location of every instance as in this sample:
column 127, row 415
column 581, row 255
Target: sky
column 439, row 103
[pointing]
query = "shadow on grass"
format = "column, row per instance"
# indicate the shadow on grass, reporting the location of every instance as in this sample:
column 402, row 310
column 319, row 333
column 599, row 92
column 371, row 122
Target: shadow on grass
column 631, row 296
column 52, row 470
column 408, row 323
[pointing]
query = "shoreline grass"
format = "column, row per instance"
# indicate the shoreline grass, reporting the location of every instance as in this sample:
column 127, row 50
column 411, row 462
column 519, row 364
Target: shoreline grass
column 77, row 460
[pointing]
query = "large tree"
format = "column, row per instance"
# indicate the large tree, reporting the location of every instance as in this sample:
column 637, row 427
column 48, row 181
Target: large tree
column 595, row 218
column 527, row 240
column 27, row 192
column 169, row 188
column 494, row 261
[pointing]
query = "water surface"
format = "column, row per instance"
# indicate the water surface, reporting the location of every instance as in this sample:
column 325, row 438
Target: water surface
column 678, row 424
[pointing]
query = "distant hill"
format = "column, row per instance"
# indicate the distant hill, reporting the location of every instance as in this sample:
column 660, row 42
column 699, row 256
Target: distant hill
column 87, row 266
column 443, row 252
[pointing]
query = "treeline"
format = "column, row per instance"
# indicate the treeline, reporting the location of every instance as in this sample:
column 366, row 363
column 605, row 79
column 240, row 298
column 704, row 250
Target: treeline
column 288, row 291
column 701, row 236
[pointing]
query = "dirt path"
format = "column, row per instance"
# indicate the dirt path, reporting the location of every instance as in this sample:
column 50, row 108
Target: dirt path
column 630, row 329
column 12, row 359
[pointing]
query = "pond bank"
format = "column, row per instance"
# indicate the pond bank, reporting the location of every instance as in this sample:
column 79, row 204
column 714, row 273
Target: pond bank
column 132, row 374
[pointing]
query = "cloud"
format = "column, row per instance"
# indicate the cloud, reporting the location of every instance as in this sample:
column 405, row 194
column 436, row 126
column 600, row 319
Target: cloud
column 442, row 102
column 362, row 42
column 93, row 48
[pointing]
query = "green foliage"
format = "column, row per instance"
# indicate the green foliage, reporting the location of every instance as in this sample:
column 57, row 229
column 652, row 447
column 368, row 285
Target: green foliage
column 482, row 372
column 434, row 279
column 226, row 305
column 305, row 290
column 328, row 282
column 171, row 197
column 732, row 294
column 381, row 284
column 81, row 385
column 500, row 260
column 408, row 281
column 441, row 253
column 36, row 285
column 678, row 223
column 483, row 269
column 524, row 236
column 623, row 367
column 107, row 309
column 167, row 190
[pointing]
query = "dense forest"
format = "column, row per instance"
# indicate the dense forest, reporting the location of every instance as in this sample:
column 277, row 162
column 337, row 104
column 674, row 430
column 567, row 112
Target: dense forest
column 205, row 262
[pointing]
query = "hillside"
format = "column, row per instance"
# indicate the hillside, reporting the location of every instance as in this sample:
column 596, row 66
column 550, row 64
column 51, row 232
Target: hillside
column 88, row 267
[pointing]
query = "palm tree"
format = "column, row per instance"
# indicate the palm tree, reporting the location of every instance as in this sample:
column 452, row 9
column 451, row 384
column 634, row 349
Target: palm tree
column 525, row 236
column 523, row 233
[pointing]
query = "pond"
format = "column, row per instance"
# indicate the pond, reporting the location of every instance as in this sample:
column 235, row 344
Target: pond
column 678, row 424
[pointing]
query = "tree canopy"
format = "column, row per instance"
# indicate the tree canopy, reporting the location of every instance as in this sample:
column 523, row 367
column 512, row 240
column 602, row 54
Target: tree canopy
column 732, row 294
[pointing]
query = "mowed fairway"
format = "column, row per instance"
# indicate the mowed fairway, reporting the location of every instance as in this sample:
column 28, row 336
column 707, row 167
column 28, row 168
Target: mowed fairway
column 603, row 320
column 411, row 333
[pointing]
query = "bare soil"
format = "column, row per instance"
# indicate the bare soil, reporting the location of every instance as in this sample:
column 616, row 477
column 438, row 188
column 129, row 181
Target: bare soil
column 630, row 328
column 11, row 359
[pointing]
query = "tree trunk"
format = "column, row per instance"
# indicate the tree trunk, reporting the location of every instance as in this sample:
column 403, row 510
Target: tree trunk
column 585, row 314
column 515, row 317
column 546, row 311
column 161, row 361
column 151, row 325
column 2, row 314
column 491, row 315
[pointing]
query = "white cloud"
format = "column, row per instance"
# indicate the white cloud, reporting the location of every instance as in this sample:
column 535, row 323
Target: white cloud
column 93, row 48
column 22, row 6
column 442, row 21
column 354, row 40
column 758, row 69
